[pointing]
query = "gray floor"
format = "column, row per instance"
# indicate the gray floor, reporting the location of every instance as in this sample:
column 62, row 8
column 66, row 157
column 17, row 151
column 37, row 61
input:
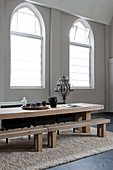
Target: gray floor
column 103, row 161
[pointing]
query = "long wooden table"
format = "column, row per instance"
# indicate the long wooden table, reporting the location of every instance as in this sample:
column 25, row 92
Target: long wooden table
column 82, row 110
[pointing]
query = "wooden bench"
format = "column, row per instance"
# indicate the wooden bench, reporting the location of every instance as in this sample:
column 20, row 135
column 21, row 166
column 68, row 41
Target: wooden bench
column 100, row 122
column 36, row 131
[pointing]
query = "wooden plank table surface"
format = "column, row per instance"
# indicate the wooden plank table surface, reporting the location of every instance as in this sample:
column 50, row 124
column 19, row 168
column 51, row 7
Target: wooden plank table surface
column 9, row 113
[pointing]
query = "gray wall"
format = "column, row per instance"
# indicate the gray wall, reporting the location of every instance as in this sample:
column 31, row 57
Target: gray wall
column 57, row 25
column 2, row 50
column 110, row 67
column 96, row 95
column 7, row 94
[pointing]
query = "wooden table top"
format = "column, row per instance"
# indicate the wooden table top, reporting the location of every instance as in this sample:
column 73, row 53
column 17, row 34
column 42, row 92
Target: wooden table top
column 18, row 112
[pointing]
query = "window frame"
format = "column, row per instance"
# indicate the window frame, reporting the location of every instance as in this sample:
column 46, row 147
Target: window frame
column 41, row 37
column 91, row 56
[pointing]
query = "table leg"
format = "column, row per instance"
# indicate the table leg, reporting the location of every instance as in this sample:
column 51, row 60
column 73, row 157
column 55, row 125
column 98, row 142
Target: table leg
column 78, row 117
column 86, row 116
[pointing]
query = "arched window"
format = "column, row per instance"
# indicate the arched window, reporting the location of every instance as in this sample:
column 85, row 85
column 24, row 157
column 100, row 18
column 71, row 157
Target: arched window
column 81, row 55
column 27, row 36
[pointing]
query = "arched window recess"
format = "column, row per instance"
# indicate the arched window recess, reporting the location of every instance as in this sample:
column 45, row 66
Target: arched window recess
column 27, row 34
column 81, row 55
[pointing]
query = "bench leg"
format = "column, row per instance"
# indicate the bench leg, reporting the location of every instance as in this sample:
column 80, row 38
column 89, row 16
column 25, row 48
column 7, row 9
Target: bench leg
column 74, row 129
column 29, row 137
column 38, row 142
column 6, row 140
column 58, row 132
column 52, row 139
column 101, row 130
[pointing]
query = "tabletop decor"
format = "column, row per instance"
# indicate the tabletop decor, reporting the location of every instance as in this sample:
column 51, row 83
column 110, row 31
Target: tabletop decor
column 35, row 108
column 53, row 101
column 63, row 87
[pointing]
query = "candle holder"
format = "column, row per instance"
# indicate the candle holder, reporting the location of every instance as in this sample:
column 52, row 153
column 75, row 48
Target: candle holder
column 63, row 87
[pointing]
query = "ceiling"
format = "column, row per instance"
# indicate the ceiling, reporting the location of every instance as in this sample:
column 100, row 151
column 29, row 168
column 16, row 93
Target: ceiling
column 97, row 10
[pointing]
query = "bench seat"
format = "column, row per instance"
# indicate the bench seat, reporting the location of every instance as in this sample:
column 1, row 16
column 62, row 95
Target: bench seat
column 36, row 131
column 100, row 122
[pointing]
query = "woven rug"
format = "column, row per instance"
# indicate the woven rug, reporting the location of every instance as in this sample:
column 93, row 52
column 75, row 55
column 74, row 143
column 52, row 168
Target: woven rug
column 20, row 154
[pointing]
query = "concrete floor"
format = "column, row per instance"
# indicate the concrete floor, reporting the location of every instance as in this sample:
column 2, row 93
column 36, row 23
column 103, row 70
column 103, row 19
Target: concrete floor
column 102, row 161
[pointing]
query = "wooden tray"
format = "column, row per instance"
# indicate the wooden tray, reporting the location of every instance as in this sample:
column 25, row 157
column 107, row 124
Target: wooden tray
column 35, row 108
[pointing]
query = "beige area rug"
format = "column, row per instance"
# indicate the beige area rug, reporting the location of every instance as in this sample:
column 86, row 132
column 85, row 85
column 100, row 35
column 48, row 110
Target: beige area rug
column 20, row 155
